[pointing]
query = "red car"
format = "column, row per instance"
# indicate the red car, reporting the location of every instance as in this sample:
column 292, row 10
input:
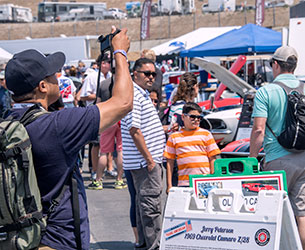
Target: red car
column 256, row 187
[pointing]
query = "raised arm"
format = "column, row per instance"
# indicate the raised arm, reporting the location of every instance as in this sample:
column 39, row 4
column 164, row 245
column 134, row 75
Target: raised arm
column 120, row 103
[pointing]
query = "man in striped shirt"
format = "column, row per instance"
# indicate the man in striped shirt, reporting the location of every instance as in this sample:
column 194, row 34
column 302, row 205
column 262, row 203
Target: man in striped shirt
column 143, row 144
column 194, row 148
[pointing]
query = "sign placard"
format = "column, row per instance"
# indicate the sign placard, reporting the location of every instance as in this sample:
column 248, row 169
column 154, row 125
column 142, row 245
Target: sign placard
column 250, row 186
column 186, row 227
column 250, row 181
column 226, row 235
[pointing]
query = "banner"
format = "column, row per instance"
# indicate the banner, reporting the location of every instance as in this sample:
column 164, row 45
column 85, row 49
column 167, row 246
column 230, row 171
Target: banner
column 145, row 19
column 260, row 12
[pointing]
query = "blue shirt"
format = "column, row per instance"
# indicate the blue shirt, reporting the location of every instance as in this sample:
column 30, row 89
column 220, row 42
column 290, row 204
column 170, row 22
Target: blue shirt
column 145, row 117
column 56, row 141
column 271, row 103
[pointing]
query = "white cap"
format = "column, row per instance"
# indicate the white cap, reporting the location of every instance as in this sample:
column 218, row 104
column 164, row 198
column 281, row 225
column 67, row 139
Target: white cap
column 283, row 53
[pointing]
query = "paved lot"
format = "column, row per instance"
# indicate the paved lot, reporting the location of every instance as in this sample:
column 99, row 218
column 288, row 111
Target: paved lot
column 109, row 216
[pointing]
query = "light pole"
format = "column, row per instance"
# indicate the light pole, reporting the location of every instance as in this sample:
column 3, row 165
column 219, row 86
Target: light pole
column 245, row 11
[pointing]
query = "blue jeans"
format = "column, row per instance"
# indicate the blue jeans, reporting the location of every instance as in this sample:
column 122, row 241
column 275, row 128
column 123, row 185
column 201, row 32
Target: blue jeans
column 132, row 193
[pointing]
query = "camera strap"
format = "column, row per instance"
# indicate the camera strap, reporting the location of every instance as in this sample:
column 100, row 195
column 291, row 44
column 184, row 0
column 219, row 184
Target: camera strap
column 99, row 77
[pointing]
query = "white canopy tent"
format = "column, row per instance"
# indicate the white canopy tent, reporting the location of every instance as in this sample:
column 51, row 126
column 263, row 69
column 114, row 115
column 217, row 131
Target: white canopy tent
column 191, row 39
column 4, row 56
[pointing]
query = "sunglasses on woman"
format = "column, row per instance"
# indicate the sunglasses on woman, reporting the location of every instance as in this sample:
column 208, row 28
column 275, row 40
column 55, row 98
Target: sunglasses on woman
column 193, row 117
column 148, row 73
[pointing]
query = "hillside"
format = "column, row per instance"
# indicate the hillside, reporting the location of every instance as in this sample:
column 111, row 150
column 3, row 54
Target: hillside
column 161, row 27
column 110, row 3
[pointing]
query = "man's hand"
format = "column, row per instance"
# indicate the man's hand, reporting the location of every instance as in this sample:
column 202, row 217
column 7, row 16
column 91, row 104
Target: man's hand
column 150, row 165
column 168, row 188
column 120, row 41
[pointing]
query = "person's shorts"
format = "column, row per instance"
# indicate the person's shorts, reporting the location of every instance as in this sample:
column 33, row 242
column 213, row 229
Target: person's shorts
column 109, row 138
column 293, row 164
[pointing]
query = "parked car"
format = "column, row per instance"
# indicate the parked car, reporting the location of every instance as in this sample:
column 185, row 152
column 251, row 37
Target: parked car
column 117, row 13
column 224, row 119
column 205, row 8
column 239, row 148
column 256, row 187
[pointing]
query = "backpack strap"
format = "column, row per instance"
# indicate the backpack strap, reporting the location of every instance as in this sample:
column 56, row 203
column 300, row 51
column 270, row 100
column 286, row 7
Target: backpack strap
column 76, row 213
column 32, row 114
column 288, row 90
column 29, row 116
column 75, row 207
column 12, row 152
column 22, row 223
column 271, row 130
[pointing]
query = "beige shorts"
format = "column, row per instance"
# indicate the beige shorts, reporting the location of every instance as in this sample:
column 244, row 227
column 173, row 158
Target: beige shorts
column 294, row 167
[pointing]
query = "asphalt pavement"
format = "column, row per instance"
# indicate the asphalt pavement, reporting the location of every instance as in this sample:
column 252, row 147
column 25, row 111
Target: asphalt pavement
column 109, row 215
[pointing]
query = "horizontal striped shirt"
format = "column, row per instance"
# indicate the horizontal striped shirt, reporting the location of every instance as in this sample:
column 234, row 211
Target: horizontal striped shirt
column 192, row 150
column 145, row 117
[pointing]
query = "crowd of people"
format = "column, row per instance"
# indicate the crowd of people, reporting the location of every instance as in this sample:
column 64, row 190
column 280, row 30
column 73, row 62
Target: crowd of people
column 123, row 120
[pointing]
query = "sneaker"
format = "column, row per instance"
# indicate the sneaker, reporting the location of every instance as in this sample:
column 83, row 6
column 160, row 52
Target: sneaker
column 120, row 184
column 112, row 173
column 95, row 185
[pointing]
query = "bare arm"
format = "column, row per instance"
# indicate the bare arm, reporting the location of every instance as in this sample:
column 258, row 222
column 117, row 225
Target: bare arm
column 257, row 135
column 169, row 173
column 212, row 160
column 139, row 141
column 90, row 97
column 121, row 101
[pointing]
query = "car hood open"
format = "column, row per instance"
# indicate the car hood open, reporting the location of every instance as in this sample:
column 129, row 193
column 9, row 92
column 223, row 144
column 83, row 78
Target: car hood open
column 232, row 81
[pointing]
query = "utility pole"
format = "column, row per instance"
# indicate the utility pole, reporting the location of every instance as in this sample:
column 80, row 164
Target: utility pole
column 194, row 20
column 273, row 12
column 245, row 12
column 169, row 25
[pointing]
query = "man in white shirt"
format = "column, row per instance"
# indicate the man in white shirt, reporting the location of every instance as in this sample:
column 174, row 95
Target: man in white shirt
column 88, row 92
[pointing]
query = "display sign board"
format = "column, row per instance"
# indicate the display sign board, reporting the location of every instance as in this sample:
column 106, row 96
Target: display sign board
column 249, row 180
column 226, row 235
column 271, row 227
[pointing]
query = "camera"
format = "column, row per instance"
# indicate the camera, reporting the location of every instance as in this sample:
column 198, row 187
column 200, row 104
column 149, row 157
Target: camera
column 106, row 41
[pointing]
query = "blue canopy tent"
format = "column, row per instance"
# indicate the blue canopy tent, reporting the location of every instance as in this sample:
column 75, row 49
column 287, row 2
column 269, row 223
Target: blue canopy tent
column 248, row 39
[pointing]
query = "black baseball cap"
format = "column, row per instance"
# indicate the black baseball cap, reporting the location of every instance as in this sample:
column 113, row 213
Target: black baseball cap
column 27, row 68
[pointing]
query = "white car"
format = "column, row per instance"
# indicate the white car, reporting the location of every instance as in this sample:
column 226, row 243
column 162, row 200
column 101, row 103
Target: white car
column 117, row 13
column 223, row 122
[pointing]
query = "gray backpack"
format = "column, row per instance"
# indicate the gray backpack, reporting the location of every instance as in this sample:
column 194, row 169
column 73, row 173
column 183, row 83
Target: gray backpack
column 21, row 219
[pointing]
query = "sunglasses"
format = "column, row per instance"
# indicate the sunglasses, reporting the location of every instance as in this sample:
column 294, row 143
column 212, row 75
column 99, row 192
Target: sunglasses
column 148, row 73
column 271, row 62
column 193, row 117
